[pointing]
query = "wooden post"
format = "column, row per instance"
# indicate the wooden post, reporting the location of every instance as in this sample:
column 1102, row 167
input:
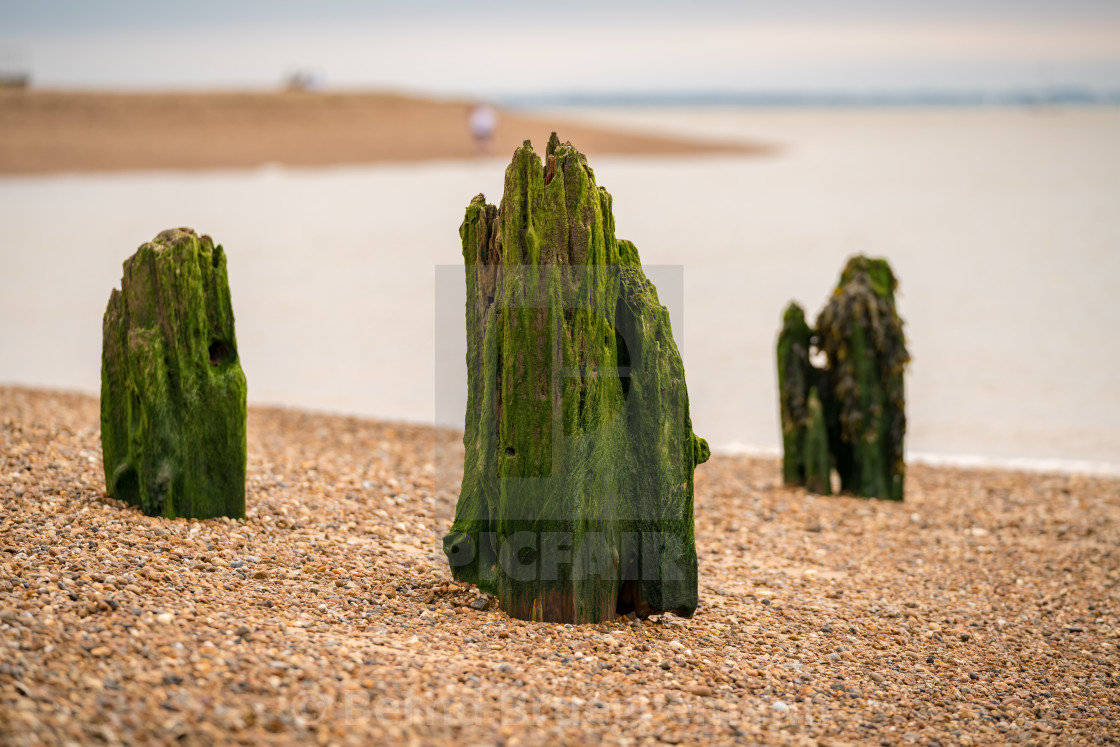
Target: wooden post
column 817, row 459
column 795, row 377
column 576, row 501
column 861, row 334
column 858, row 421
column 172, row 389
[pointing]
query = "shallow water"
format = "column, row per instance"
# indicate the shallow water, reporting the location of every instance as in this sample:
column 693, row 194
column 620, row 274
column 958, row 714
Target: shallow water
column 1001, row 225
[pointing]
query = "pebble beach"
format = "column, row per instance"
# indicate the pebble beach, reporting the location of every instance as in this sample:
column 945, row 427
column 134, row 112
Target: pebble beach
column 981, row 610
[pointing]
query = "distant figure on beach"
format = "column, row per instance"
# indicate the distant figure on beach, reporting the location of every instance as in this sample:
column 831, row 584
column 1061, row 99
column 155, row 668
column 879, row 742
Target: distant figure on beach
column 302, row 81
column 483, row 120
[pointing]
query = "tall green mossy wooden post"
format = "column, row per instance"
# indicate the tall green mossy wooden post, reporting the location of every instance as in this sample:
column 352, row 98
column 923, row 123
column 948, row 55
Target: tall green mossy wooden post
column 861, row 334
column 172, row 389
column 862, row 412
column 576, row 501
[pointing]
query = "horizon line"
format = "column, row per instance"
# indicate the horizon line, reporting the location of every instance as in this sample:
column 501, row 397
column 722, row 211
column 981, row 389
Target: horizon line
column 1072, row 94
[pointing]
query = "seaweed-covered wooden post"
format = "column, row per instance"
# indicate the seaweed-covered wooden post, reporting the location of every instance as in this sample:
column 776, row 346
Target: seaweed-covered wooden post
column 861, row 334
column 795, row 378
column 576, row 501
column 172, row 389
column 817, row 460
column 805, row 457
column 858, row 420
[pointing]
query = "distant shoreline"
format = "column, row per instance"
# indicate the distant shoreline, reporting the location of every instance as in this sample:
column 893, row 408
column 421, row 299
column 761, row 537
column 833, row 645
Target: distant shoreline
column 1050, row 97
column 70, row 131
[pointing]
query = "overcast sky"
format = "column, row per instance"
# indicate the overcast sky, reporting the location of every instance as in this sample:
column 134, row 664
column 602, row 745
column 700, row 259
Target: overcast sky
column 505, row 47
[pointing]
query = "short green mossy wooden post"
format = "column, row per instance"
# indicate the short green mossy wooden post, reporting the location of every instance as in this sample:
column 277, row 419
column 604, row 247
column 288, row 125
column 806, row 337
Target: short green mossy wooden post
column 172, row 389
column 862, row 421
column 576, row 501
column 795, row 378
column 817, row 460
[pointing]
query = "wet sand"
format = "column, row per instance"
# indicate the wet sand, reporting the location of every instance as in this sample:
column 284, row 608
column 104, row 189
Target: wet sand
column 51, row 132
column 982, row 610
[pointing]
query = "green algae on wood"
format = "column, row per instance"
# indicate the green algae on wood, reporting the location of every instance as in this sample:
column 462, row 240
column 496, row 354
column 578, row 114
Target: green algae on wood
column 173, row 395
column 861, row 334
column 817, row 461
column 860, row 391
column 577, row 495
column 795, row 378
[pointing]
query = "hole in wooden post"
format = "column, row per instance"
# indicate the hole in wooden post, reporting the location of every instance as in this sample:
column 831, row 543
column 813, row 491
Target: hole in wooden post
column 221, row 353
column 510, row 452
column 126, row 485
column 630, row 600
column 818, row 357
